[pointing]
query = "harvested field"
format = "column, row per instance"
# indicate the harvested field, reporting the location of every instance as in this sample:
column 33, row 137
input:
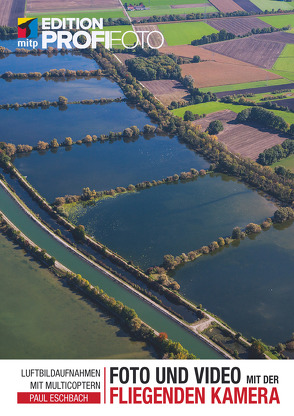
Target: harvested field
column 167, row 90
column 255, row 90
column 155, row 39
column 10, row 11
column 247, row 140
column 54, row 6
column 248, row 6
column 225, row 116
column 238, row 25
column 226, row 6
column 253, row 50
column 209, row 74
column 188, row 6
column 282, row 37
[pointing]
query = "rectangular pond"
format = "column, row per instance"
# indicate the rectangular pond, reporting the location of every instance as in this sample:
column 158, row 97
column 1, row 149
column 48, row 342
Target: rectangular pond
column 172, row 219
column 42, row 63
column 74, row 89
column 28, row 126
column 106, row 165
column 40, row 318
column 250, row 285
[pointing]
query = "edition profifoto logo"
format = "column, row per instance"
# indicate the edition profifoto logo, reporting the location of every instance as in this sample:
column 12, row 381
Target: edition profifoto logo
column 27, row 28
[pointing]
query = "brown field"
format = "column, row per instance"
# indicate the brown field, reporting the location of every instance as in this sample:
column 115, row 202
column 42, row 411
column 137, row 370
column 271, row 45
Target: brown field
column 248, row 141
column 166, row 90
column 225, row 116
column 155, row 39
column 210, row 74
column 10, row 10
column 226, row 6
column 253, row 50
column 189, row 6
column 44, row 6
column 238, row 25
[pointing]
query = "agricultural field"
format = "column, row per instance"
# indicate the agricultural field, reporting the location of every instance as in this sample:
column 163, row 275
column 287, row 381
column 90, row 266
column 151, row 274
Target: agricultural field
column 248, row 6
column 213, row 106
column 287, row 163
column 226, row 6
column 285, row 62
column 103, row 13
column 253, row 50
column 155, row 39
column 260, row 86
column 48, row 6
column 273, row 5
column 238, row 25
column 225, row 116
column 166, row 90
column 183, row 33
column 279, row 21
column 210, row 74
column 167, row 7
column 10, row 11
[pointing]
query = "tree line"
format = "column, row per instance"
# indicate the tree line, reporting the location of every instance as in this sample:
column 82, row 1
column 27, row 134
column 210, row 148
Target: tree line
column 53, row 73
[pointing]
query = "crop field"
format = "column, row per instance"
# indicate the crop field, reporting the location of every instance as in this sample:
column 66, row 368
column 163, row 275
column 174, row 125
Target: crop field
column 225, row 116
column 167, row 90
column 279, row 21
column 287, row 102
column 47, row 6
column 10, row 11
column 250, row 88
column 209, row 74
column 184, row 33
column 213, row 106
column 285, row 62
column 226, row 6
column 249, row 141
column 272, row 4
column 154, row 39
column 238, row 25
column 248, row 6
column 262, row 86
column 100, row 13
column 262, row 53
column 166, row 7
column 129, row 39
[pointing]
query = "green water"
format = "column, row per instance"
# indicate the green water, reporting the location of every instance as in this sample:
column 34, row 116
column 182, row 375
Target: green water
column 249, row 285
column 147, row 313
column 172, row 219
column 31, row 328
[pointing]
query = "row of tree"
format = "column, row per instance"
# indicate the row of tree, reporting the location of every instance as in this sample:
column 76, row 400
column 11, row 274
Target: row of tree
column 92, row 195
column 53, row 73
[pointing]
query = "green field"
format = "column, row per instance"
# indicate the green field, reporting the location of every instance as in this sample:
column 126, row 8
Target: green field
column 105, row 14
column 279, row 21
column 244, row 86
column 183, row 33
column 213, row 106
column 272, row 4
column 285, row 61
column 287, row 163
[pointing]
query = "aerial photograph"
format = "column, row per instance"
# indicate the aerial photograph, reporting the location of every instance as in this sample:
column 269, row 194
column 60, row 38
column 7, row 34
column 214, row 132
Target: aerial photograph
column 147, row 179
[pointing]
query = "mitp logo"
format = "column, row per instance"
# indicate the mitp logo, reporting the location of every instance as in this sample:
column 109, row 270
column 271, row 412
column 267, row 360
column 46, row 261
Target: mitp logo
column 27, row 28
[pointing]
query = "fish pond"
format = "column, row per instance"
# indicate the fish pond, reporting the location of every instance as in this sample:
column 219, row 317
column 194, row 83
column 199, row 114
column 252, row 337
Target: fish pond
column 106, row 165
column 42, row 63
column 171, row 219
column 250, row 285
column 30, row 328
column 28, row 126
column 74, row 89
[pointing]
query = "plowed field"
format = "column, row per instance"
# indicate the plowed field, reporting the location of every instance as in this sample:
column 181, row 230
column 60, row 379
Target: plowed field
column 54, row 6
column 166, row 90
column 238, row 25
column 248, row 6
column 10, row 10
column 226, row 6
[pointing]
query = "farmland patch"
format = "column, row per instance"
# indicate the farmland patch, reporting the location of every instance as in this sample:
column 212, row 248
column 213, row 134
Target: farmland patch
column 273, row 5
column 37, row 6
column 226, row 6
column 248, row 6
column 155, row 39
column 167, row 90
column 238, row 25
column 184, row 33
